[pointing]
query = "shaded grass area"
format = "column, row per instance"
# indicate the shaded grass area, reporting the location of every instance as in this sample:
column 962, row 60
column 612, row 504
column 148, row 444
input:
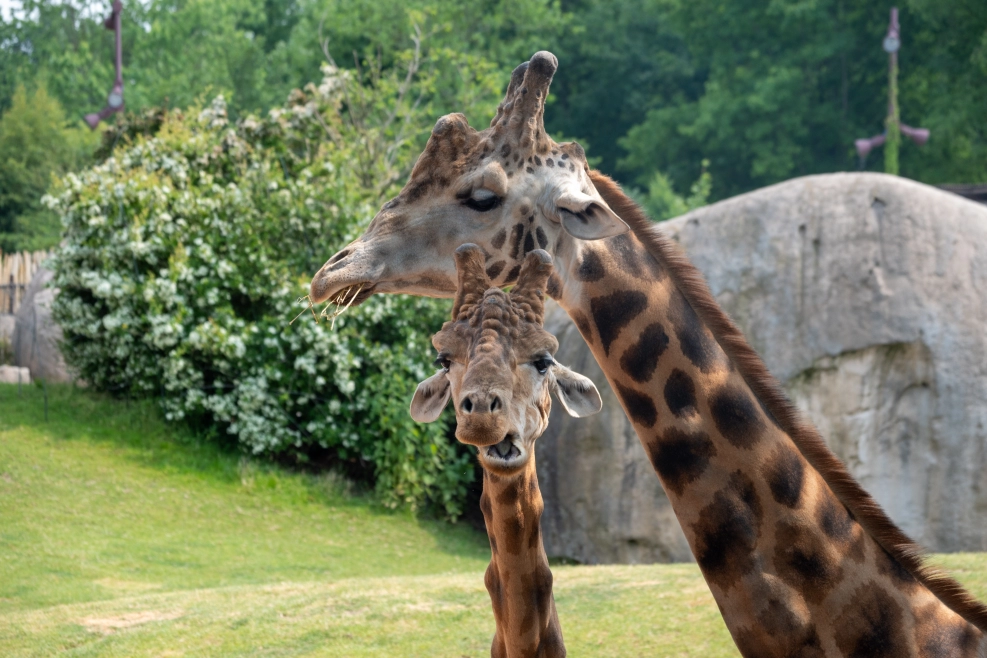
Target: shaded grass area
column 122, row 536
column 105, row 500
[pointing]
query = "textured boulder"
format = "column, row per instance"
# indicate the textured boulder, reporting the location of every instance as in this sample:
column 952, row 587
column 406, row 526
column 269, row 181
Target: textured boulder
column 37, row 336
column 14, row 375
column 7, row 324
column 866, row 295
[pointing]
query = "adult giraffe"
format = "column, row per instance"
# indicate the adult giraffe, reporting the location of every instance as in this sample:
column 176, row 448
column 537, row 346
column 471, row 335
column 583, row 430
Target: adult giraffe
column 800, row 559
column 496, row 364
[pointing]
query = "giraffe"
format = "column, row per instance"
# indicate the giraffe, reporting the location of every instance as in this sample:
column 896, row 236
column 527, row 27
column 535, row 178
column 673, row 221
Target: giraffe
column 800, row 559
column 496, row 363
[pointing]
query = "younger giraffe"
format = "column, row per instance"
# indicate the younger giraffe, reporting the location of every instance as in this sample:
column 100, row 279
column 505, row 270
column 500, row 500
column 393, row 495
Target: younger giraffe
column 497, row 365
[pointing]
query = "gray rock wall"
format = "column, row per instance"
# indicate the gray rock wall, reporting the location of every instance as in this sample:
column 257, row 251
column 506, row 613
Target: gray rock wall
column 14, row 375
column 866, row 295
column 36, row 335
column 7, row 324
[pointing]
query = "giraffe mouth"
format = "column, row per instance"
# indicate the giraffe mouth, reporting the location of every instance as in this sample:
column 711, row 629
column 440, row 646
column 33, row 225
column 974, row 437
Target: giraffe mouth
column 354, row 294
column 505, row 451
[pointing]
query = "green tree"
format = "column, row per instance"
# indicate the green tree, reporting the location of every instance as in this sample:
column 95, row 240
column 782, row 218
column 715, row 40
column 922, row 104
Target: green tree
column 944, row 88
column 173, row 51
column 256, row 51
column 465, row 46
column 764, row 90
column 617, row 60
column 661, row 201
column 782, row 85
column 66, row 45
column 787, row 86
column 36, row 144
column 503, row 31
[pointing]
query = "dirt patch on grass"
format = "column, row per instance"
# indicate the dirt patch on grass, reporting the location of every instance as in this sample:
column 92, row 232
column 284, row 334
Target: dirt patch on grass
column 107, row 625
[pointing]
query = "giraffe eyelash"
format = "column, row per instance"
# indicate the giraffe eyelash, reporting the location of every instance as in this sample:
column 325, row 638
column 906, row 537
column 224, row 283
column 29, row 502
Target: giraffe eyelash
column 482, row 205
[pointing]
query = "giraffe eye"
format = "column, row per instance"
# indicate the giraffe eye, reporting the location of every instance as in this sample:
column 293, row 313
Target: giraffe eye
column 542, row 364
column 442, row 361
column 482, row 200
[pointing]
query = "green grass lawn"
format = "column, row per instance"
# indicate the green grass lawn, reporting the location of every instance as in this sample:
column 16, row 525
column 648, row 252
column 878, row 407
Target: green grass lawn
column 120, row 536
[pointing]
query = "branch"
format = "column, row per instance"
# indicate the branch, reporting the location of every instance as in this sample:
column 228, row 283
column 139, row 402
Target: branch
column 412, row 70
column 324, row 44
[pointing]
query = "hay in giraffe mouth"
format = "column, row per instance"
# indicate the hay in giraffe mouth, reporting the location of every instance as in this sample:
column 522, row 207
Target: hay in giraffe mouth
column 505, row 451
column 352, row 295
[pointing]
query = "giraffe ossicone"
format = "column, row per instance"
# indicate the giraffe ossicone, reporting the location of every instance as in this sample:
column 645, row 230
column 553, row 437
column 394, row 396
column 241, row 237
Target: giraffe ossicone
column 799, row 557
column 497, row 367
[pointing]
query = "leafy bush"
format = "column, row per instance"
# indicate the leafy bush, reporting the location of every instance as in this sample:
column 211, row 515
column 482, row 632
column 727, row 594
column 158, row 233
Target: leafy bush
column 185, row 253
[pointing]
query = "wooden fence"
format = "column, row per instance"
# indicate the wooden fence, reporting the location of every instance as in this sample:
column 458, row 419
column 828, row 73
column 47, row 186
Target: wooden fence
column 16, row 270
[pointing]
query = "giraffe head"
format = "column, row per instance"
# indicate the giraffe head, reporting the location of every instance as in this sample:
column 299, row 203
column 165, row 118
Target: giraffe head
column 497, row 365
column 509, row 189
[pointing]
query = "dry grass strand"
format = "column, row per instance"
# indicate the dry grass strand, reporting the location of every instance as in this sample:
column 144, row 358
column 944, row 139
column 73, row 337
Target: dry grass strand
column 336, row 304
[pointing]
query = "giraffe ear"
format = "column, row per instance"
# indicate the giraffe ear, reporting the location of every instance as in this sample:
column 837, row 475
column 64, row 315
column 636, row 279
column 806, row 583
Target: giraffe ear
column 576, row 393
column 587, row 218
column 431, row 397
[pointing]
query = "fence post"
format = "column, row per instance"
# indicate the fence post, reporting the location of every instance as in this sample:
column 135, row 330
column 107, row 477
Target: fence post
column 11, row 291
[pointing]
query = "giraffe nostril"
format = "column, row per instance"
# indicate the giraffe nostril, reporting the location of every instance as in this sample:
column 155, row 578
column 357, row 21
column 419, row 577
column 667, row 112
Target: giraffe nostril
column 467, row 405
column 340, row 256
column 494, row 404
column 337, row 261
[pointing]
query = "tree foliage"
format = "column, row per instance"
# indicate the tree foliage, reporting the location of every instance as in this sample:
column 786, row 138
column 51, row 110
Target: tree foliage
column 786, row 87
column 660, row 200
column 36, row 144
column 185, row 254
column 763, row 90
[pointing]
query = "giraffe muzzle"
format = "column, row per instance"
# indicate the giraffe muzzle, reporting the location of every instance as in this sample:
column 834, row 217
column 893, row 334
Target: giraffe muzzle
column 350, row 277
column 481, row 430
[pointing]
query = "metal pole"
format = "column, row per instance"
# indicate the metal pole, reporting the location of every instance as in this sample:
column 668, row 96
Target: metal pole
column 893, row 123
column 44, row 385
column 893, row 127
column 117, row 11
column 114, row 101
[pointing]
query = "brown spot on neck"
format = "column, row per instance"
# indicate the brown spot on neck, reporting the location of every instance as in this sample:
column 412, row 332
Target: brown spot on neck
column 727, row 531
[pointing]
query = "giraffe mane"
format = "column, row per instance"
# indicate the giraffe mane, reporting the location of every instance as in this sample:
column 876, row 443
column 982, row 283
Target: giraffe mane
column 806, row 437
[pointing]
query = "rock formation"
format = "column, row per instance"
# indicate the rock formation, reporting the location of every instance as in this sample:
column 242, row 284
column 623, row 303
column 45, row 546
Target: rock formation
column 37, row 336
column 866, row 295
column 7, row 325
column 14, row 375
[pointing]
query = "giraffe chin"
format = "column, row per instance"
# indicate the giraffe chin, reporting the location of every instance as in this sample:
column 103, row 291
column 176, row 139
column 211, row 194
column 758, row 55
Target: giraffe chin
column 506, row 457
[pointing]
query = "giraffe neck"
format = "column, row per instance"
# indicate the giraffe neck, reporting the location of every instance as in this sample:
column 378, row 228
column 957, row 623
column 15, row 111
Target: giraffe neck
column 790, row 568
column 518, row 578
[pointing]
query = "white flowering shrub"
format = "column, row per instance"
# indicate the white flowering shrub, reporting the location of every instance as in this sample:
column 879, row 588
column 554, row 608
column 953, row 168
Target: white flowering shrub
column 183, row 257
